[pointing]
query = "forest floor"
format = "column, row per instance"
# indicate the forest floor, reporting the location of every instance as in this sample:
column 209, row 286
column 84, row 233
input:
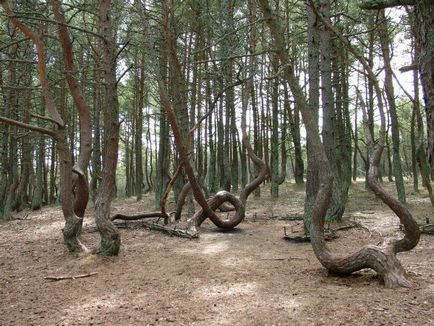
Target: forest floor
column 249, row 276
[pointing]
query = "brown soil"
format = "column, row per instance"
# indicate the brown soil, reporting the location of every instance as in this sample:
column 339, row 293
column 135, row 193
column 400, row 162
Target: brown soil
column 249, row 276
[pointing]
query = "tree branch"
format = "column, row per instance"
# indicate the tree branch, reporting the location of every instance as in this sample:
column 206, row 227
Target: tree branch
column 27, row 126
column 51, row 105
column 37, row 116
column 381, row 4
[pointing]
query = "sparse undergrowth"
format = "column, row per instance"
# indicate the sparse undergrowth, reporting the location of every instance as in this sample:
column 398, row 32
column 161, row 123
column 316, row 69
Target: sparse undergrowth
column 247, row 276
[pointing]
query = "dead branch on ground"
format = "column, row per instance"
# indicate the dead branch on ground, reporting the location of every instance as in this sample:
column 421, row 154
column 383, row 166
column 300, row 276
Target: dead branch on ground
column 68, row 277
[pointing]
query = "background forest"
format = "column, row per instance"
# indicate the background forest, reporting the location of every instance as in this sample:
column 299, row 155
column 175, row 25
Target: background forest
column 212, row 100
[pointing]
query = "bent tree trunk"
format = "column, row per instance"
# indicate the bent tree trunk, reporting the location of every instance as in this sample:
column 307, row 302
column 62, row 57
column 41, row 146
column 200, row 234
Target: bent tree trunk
column 382, row 258
column 72, row 222
column 80, row 183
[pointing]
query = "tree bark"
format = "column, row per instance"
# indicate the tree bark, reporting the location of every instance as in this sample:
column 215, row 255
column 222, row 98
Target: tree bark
column 110, row 238
column 390, row 95
column 312, row 178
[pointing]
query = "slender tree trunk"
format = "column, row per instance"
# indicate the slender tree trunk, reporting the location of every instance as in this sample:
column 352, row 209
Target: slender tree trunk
column 274, row 157
column 96, row 123
column 22, row 200
column 162, row 171
column 390, row 94
column 110, row 238
column 53, row 173
column 37, row 199
column 424, row 23
column 312, row 179
column 139, row 132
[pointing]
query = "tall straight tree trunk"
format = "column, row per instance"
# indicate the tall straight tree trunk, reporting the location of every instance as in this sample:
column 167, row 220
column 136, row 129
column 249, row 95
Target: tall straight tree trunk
column 312, row 181
column 127, row 163
column 53, row 173
column 96, row 123
column 390, row 94
column 274, row 157
column 162, row 171
column 22, row 199
column 10, row 144
column 37, row 199
column 110, row 238
column 341, row 160
column 283, row 149
column 139, row 131
column 424, row 22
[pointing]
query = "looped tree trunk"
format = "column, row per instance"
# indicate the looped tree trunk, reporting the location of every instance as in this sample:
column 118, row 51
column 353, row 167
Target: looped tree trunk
column 214, row 202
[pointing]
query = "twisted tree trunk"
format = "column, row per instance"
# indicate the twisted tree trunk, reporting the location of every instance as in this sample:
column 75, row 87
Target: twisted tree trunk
column 380, row 258
column 80, row 184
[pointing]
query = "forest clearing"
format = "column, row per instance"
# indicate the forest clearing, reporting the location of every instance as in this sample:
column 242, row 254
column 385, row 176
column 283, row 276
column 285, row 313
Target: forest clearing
column 247, row 276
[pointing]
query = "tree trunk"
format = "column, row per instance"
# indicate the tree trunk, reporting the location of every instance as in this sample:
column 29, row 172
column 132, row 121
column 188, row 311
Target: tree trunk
column 110, row 238
column 274, row 157
column 425, row 21
column 390, row 95
column 22, row 200
column 312, row 178
column 139, row 132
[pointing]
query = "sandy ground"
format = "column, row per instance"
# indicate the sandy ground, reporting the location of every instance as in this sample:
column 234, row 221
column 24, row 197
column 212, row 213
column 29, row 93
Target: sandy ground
column 249, row 276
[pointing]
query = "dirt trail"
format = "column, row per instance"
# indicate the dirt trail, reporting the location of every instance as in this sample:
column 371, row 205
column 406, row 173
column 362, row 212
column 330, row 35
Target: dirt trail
column 249, row 276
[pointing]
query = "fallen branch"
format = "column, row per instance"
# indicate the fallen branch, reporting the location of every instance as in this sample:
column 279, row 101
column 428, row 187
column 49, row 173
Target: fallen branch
column 352, row 225
column 139, row 216
column 329, row 234
column 171, row 231
column 66, row 277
